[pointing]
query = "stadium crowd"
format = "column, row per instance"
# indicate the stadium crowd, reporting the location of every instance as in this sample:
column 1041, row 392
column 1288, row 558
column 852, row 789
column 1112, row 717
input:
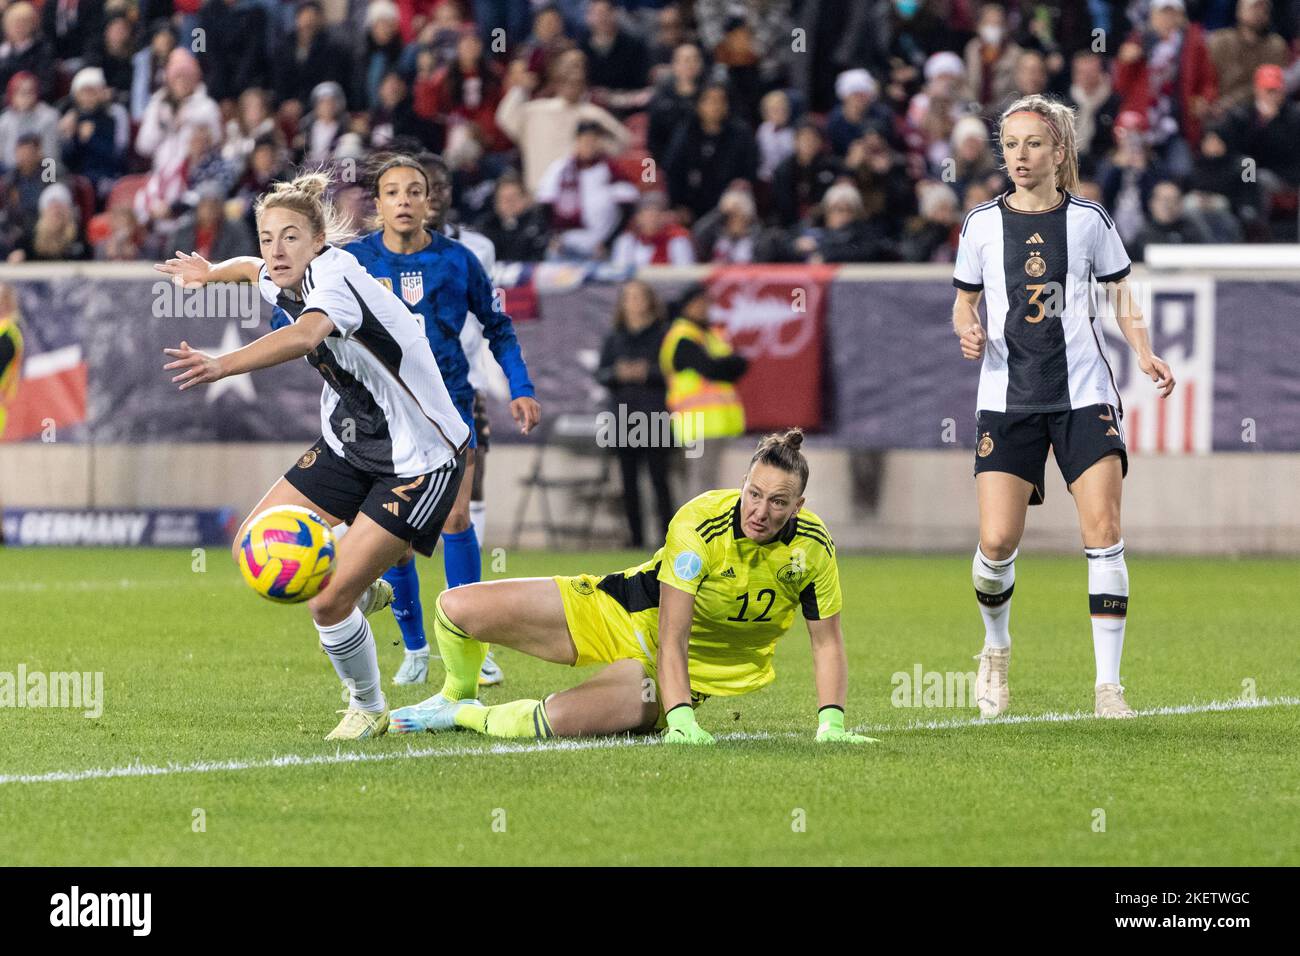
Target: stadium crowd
column 642, row 131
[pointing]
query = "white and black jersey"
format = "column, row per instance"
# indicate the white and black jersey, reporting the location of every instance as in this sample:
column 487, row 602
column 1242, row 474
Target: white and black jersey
column 384, row 407
column 1036, row 270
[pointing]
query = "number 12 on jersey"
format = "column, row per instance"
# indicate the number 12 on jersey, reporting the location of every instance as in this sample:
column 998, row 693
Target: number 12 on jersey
column 744, row 605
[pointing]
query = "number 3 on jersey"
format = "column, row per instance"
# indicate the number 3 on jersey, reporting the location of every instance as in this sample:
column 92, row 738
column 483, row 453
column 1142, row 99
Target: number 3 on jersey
column 1035, row 293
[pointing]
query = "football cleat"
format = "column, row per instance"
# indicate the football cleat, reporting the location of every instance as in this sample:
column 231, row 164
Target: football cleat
column 432, row 715
column 414, row 669
column 375, row 598
column 490, row 674
column 358, row 724
column 1111, row 702
column 992, row 693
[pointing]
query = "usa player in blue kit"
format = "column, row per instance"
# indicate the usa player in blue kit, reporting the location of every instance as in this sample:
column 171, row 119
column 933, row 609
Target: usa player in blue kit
column 442, row 282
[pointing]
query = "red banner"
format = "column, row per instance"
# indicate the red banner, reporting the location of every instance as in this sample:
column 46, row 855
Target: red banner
column 775, row 317
column 52, row 392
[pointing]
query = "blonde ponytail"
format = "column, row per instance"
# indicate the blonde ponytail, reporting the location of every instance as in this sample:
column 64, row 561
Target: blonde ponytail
column 1059, row 119
column 308, row 195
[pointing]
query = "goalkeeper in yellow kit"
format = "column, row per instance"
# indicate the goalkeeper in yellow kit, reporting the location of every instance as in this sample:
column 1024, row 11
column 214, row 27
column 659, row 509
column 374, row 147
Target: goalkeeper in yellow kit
column 700, row 618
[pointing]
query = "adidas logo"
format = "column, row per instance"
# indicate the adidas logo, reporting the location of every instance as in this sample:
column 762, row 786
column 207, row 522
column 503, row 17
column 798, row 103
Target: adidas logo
column 1034, row 240
column 1111, row 431
column 391, row 507
column 728, row 573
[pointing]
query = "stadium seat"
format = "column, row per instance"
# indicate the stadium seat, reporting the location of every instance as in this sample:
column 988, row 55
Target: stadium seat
column 124, row 190
column 583, row 478
column 629, row 164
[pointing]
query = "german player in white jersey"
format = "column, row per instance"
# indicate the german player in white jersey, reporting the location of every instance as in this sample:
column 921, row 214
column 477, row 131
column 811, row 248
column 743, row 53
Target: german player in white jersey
column 1033, row 254
column 392, row 449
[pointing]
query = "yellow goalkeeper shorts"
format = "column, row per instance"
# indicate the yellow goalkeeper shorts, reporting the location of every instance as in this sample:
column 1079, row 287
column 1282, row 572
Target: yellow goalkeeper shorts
column 604, row 631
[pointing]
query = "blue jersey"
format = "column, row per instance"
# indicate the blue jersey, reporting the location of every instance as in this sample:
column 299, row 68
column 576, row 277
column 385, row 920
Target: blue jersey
column 442, row 283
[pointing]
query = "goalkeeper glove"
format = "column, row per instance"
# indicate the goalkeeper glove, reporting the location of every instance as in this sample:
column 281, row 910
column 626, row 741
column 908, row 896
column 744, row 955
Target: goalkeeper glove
column 830, row 727
column 682, row 728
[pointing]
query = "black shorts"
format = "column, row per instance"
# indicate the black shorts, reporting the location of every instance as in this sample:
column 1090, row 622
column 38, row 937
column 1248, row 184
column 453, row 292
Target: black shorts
column 1016, row 443
column 412, row 508
column 482, row 429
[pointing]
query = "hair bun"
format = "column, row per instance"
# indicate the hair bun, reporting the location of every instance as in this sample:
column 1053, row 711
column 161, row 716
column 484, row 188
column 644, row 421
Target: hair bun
column 315, row 184
column 781, row 450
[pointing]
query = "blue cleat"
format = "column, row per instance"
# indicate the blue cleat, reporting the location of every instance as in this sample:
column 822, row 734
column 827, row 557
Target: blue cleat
column 432, row 715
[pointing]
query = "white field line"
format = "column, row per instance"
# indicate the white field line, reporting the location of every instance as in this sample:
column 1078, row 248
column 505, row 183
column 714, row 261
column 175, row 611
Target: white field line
column 1056, row 717
column 140, row 769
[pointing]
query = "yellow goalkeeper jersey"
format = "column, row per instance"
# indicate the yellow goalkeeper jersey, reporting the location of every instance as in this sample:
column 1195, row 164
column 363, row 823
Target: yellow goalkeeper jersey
column 746, row 594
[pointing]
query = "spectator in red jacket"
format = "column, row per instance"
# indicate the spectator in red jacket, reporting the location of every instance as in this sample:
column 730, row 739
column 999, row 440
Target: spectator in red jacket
column 470, row 89
column 1165, row 72
column 413, row 15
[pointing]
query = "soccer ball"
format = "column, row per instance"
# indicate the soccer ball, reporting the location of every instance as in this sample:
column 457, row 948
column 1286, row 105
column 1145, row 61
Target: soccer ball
column 287, row 554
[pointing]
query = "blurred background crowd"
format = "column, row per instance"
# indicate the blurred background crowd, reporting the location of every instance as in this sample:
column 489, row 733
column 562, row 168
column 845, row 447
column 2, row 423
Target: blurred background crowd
column 640, row 131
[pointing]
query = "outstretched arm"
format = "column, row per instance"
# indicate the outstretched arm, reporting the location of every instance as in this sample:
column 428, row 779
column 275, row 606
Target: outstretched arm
column 191, row 270
column 283, row 345
column 831, row 674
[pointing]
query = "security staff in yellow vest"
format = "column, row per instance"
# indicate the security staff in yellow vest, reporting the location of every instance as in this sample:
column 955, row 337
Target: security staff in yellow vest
column 699, row 367
column 11, row 352
column 11, row 357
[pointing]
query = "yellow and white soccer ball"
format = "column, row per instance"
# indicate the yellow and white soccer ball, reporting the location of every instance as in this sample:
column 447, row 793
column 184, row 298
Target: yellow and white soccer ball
column 287, row 554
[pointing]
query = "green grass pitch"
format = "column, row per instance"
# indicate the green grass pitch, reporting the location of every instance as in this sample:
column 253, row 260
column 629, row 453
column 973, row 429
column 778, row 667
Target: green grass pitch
column 209, row 685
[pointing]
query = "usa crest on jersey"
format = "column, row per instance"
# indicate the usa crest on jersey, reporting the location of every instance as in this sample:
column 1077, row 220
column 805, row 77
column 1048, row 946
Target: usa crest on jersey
column 412, row 287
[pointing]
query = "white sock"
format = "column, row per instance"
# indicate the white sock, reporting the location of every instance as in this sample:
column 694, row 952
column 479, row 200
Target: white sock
column 1108, row 604
column 478, row 518
column 994, row 582
column 422, row 652
column 350, row 647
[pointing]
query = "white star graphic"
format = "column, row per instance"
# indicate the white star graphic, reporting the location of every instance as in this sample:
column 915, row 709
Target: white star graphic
column 241, row 385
